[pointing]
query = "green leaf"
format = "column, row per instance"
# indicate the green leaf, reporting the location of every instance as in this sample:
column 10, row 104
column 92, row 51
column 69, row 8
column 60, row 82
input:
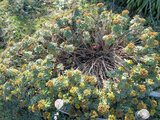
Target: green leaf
column 60, row 66
column 67, row 34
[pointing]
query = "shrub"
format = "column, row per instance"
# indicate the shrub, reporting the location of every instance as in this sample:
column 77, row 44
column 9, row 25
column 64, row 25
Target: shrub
column 16, row 22
column 99, row 63
column 25, row 8
column 14, row 27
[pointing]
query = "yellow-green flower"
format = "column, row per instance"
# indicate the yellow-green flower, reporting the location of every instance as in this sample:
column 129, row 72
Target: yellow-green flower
column 65, row 84
column 60, row 95
column 95, row 91
column 141, row 105
column 33, row 67
column 103, row 108
column 135, row 101
column 136, row 16
column 130, row 111
column 104, row 12
column 111, row 96
column 49, row 83
column 142, row 20
column 93, row 114
column 154, row 104
column 11, row 42
column 155, row 42
column 77, row 72
column 86, row 114
column 117, row 21
column 131, row 46
column 73, row 90
column 10, row 97
column 40, row 75
column 17, row 90
column 12, row 92
column 29, row 74
column 102, row 94
column 1, row 93
column 100, row 4
column 29, row 108
column 152, row 34
column 3, row 69
column 142, row 88
column 153, row 111
column 109, row 37
column 146, row 46
column 84, row 104
column 124, row 12
column 17, row 81
column 150, row 82
column 77, row 106
column 34, row 108
column 46, row 115
column 86, row 92
column 130, row 61
column 69, row 74
column 19, row 96
column 133, row 93
column 79, row 97
column 45, row 61
column 150, row 28
column 42, row 91
column 143, row 72
column 156, row 57
column 92, row 5
column 67, row 28
column 78, row 21
column 121, row 68
column 41, row 104
column 129, row 116
column 111, row 117
column 81, row 84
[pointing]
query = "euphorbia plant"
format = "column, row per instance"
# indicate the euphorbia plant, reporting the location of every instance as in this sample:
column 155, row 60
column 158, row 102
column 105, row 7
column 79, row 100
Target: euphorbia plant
column 103, row 41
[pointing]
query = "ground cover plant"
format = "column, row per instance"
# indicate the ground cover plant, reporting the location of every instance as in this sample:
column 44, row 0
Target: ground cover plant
column 101, row 64
column 20, row 18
